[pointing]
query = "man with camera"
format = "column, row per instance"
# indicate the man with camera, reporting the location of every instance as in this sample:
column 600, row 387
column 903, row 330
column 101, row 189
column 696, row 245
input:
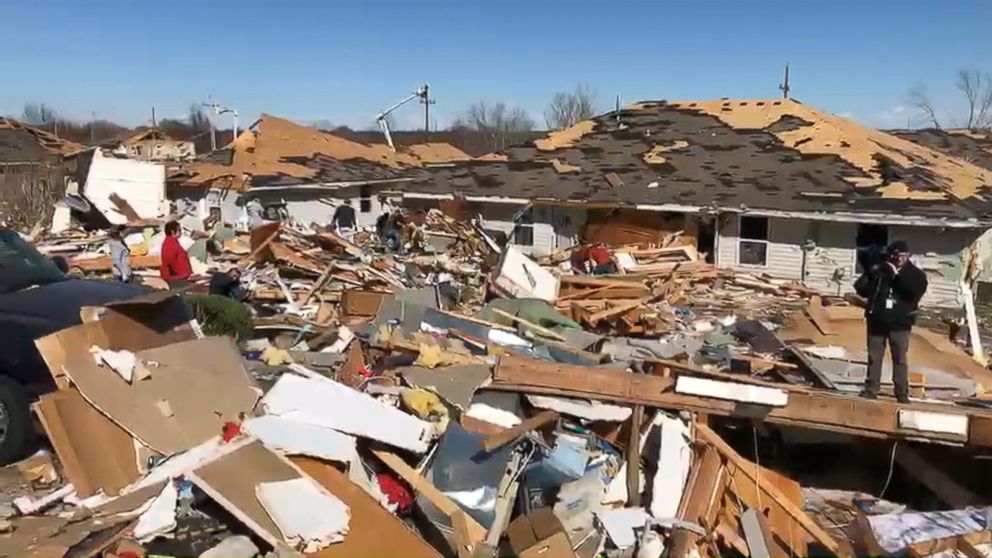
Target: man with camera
column 893, row 289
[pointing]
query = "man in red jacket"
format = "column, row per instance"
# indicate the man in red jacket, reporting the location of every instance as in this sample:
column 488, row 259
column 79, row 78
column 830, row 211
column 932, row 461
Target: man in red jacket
column 175, row 261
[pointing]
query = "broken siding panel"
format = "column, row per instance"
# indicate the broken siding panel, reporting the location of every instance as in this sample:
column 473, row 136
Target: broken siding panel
column 831, row 261
column 544, row 232
column 785, row 248
column 568, row 224
column 784, row 256
column 938, row 252
column 726, row 244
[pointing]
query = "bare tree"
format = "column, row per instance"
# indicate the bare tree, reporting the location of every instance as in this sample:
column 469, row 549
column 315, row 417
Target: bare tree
column 566, row 109
column 198, row 119
column 503, row 126
column 976, row 86
column 37, row 113
column 919, row 98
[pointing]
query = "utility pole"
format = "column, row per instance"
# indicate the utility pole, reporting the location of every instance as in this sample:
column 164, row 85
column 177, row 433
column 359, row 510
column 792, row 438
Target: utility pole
column 154, row 123
column 425, row 98
column 785, row 83
column 92, row 121
column 218, row 109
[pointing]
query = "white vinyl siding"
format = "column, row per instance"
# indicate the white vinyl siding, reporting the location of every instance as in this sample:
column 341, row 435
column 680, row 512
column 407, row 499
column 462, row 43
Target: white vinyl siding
column 784, row 256
column 939, row 253
column 831, row 260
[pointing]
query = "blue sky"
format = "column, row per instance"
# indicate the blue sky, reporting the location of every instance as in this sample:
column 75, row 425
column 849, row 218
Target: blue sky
column 344, row 61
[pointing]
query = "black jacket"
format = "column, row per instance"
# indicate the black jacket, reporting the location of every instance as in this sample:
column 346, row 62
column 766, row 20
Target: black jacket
column 224, row 285
column 893, row 298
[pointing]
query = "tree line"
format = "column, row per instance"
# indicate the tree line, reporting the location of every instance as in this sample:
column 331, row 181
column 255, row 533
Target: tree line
column 499, row 123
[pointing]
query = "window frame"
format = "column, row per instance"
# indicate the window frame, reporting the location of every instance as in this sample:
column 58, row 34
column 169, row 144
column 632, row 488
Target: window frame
column 364, row 199
column 766, row 241
column 524, row 223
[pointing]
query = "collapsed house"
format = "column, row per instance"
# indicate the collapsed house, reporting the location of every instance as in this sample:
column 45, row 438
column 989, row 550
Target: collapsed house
column 33, row 167
column 768, row 187
column 299, row 170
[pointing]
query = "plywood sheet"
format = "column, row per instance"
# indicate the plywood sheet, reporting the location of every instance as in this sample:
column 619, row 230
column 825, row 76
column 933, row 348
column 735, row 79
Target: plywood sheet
column 96, row 453
column 196, row 387
column 373, row 530
column 231, row 482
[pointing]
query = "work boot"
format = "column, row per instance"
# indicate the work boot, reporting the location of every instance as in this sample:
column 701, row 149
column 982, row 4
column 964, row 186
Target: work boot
column 902, row 398
column 868, row 394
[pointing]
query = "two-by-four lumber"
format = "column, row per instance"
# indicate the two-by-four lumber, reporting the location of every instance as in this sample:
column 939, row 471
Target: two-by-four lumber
column 463, row 524
column 500, row 439
column 712, row 438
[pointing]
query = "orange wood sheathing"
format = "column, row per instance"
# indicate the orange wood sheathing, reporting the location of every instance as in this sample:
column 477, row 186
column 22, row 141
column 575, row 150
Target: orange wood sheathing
column 566, row 137
column 264, row 150
column 854, row 143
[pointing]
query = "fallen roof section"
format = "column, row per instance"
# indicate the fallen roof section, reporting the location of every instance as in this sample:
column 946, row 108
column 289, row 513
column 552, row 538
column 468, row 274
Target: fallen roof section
column 20, row 140
column 277, row 152
column 775, row 155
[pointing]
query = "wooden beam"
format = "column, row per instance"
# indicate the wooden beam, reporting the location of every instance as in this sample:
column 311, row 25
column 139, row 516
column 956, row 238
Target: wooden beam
column 460, row 520
column 634, row 457
column 510, row 434
column 805, row 408
column 529, row 325
column 942, row 485
column 819, row 318
column 700, row 496
column 710, row 437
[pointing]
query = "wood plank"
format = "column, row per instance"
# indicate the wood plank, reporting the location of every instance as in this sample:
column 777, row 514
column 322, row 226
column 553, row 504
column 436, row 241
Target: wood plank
column 373, row 531
column 476, row 533
column 95, row 452
column 535, row 422
column 700, row 496
column 732, row 538
column 318, row 284
column 819, row 318
column 821, row 536
column 634, row 457
column 942, row 485
column 806, row 408
column 529, row 325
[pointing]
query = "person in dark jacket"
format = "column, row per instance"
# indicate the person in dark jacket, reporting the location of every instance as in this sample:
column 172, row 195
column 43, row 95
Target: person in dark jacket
column 893, row 289
column 344, row 217
column 228, row 284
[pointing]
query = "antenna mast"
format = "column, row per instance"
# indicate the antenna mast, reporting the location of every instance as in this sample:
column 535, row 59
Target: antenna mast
column 785, row 83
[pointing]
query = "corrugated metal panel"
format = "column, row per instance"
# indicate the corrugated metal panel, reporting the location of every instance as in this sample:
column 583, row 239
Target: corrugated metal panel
column 830, row 263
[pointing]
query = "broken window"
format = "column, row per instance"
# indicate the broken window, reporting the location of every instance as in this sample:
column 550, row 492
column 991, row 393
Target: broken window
column 870, row 244
column 523, row 231
column 365, row 200
column 753, row 248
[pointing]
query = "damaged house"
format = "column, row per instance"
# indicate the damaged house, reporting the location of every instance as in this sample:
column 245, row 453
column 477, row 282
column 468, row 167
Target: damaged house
column 299, row 170
column 771, row 187
column 33, row 167
column 151, row 144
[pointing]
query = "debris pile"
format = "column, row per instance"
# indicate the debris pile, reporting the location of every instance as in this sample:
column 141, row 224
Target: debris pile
column 456, row 397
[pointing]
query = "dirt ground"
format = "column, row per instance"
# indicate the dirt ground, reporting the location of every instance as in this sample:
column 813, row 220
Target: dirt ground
column 12, row 485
